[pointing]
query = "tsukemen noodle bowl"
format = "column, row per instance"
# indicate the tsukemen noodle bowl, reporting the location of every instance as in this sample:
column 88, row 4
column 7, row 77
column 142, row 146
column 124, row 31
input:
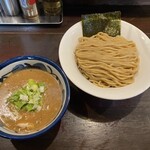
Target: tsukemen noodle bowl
column 34, row 95
column 78, row 62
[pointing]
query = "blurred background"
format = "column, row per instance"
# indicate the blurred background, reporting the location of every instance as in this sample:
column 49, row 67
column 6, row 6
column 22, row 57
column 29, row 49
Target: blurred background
column 109, row 2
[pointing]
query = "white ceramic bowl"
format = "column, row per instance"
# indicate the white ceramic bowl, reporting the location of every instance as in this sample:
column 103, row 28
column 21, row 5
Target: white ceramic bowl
column 142, row 79
column 42, row 63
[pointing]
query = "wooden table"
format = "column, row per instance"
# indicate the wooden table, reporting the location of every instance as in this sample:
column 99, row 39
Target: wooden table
column 89, row 123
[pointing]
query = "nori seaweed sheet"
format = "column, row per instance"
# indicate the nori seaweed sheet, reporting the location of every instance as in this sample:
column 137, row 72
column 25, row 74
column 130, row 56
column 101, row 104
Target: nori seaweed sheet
column 109, row 23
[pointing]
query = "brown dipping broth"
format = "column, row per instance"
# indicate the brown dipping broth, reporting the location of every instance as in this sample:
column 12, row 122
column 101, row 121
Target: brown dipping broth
column 27, row 122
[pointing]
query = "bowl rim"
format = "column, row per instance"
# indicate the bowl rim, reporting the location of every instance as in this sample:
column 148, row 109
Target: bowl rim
column 64, row 108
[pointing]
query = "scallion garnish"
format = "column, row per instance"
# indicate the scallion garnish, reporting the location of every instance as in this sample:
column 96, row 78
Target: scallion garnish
column 29, row 97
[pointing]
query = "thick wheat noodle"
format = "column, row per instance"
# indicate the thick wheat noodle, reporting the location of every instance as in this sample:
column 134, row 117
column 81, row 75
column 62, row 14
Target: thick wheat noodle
column 107, row 61
column 116, row 73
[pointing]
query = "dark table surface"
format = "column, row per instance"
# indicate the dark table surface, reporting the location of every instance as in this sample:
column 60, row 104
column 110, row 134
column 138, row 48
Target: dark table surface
column 89, row 123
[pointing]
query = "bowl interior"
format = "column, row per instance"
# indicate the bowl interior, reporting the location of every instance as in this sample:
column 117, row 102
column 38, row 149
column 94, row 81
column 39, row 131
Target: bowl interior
column 20, row 63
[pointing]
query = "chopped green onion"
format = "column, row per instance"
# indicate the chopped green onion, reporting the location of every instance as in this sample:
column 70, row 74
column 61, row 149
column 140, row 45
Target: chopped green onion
column 29, row 97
